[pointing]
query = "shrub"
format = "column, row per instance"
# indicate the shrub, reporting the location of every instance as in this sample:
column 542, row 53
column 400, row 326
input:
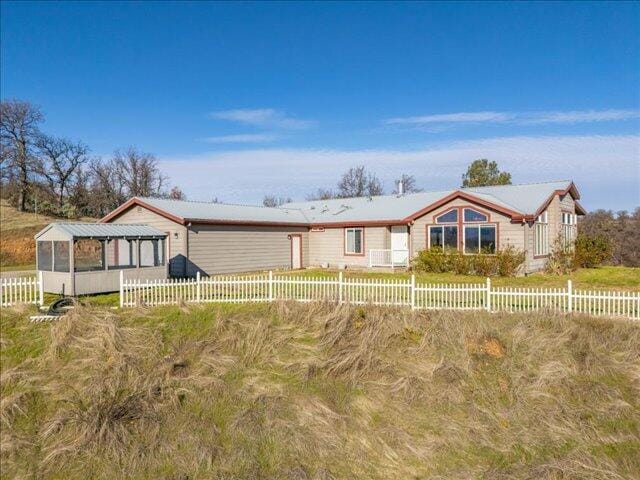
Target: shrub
column 592, row 251
column 505, row 262
column 561, row 259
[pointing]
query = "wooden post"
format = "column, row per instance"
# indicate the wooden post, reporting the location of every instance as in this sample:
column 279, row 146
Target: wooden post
column 488, row 295
column 198, row 286
column 340, row 288
column 40, row 289
column 270, row 286
column 121, row 288
column 413, row 292
column 569, row 296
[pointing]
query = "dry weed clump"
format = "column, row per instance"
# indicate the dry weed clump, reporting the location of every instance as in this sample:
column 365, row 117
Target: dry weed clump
column 316, row 391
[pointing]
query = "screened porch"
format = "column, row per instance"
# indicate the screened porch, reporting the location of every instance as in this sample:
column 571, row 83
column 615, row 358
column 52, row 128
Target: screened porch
column 85, row 258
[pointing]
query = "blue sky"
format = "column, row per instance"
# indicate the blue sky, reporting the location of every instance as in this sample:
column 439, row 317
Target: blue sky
column 239, row 100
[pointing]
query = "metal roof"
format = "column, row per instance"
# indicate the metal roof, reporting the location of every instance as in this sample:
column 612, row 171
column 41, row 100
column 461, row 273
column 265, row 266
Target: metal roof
column 523, row 199
column 208, row 211
column 104, row 230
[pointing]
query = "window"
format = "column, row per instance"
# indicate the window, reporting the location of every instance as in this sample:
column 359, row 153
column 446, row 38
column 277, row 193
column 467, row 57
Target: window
column 45, row 256
column 354, row 241
column 479, row 239
column 471, row 215
column 449, row 217
column 445, row 237
column 568, row 229
column 151, row 253
column 88, row 255
column 541, row 235
column 121, row 253
column 61, row 256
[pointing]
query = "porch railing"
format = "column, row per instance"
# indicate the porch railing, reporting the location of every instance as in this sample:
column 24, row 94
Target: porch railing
column 388, row 258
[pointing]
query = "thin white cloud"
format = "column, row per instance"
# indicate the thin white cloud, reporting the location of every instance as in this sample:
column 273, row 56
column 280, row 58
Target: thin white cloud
column 262, row 117
column 579, row 116
column 461, row 117
column 243, row 138
column 246, row 175
column 526, row 118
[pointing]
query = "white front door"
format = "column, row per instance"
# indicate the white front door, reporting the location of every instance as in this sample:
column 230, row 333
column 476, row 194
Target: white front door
column 296, row 251
column 399, row 244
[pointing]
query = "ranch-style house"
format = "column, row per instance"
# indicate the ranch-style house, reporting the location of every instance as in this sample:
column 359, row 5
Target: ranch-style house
column 381, row 231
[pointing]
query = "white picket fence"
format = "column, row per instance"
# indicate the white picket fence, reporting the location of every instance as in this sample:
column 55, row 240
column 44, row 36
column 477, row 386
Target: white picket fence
column 16, row 290
column 395, row 292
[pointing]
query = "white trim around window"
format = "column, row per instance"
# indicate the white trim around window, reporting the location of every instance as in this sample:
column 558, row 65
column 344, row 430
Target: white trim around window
column 491, row 245
column 541, row 235
column 354, row 241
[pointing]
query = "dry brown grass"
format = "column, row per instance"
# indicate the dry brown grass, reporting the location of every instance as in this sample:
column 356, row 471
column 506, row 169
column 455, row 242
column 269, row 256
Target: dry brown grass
column 317, row 392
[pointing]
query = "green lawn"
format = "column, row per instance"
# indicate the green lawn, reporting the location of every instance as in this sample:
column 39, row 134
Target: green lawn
column 611, row 278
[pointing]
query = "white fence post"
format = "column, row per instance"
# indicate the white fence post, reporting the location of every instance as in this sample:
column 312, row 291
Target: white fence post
column 488, row 295
column 198, row 286
column 569, row 296
column 40, row 289
column 413, row 292
column 121, row 288
column 340, row 299
column 270, row 286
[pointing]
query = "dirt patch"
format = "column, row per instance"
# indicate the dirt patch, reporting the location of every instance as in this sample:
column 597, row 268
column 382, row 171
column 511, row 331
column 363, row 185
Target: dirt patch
column 485, row 346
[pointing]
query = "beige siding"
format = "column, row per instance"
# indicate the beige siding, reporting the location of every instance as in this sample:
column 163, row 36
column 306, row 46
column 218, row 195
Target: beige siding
column 217, row 249
column 509, row 233
column 557, row 205
column 328, row 246
column 177, row 235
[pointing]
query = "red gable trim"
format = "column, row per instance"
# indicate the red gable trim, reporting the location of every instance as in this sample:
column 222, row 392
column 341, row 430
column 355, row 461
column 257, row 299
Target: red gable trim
column 136, row 201
column 572, row 189
column 465, row 196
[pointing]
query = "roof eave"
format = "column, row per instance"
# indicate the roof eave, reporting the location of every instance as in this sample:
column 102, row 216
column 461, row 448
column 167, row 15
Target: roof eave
column 136, row 201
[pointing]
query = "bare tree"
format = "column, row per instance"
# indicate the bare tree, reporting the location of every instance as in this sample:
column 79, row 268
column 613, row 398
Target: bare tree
column 408, row 184
column 321, row 194
column 357, row 182
column 19, row 128
column 108, row 191
column 139, row 173
column 273, row 201
column 59, row 159
column 177, row 194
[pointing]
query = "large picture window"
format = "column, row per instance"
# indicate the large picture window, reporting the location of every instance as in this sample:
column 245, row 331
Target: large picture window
column 354, row 241
column 479, row 239
column 445, row 237
column 470, row 230
column 541, row 235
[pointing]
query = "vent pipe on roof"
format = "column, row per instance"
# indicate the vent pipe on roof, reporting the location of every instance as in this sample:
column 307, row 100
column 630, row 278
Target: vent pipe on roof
column 400, row 188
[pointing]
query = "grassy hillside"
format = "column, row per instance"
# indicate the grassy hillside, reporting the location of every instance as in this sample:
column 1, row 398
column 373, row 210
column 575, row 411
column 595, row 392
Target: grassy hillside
column 295, row 391
column 17, row 247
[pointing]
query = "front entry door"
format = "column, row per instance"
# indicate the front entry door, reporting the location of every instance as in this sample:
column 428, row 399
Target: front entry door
column 296, row 251
column 399, row 244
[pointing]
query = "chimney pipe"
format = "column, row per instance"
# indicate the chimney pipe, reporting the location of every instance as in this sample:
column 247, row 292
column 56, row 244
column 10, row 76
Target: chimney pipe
column 400, row 188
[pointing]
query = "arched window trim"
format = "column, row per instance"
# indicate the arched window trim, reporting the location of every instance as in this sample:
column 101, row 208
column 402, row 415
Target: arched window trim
column 452, row 209
column 460, row 223
column 487, row 217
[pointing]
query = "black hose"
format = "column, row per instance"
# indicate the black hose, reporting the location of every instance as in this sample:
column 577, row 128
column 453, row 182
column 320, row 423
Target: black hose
column 57, row 308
